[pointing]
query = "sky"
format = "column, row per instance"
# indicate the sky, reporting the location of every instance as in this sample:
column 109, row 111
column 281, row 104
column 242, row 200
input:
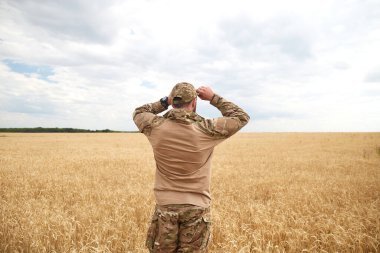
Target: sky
column 294, row 66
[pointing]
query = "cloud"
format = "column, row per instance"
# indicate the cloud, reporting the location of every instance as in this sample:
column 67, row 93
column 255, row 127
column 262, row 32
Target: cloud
column 148, row 84
column 280, row 35
column 373, row 77
column 68, row 20
column 293, row 66
column 23, row 104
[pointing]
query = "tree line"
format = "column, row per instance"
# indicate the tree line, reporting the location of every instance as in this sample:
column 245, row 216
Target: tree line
column 58, row 130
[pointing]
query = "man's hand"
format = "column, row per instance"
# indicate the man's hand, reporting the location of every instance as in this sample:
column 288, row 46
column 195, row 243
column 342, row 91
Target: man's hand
column 205, row 93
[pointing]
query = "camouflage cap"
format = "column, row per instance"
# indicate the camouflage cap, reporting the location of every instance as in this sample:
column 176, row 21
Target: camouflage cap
column 183, row 93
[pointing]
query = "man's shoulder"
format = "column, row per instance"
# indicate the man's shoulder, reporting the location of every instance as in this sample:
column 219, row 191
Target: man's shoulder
column 219, row 128
column 157, row 121
column 209, row 127
column 148, row 121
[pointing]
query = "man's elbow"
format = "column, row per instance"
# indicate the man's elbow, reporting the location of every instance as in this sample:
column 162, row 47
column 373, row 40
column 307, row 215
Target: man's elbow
column 135, row 113
column 244, row 120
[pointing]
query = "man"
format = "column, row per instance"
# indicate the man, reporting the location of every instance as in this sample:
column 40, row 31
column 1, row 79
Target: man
column 183, row 144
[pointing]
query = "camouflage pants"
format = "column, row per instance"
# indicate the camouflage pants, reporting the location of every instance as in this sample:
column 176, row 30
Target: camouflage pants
column 179, row 228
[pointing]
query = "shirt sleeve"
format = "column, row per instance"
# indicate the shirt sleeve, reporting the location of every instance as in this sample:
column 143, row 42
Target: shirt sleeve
column 146, row 115
column 234, row 118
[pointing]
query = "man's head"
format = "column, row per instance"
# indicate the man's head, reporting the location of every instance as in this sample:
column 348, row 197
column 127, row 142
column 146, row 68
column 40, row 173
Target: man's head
column 184, row 95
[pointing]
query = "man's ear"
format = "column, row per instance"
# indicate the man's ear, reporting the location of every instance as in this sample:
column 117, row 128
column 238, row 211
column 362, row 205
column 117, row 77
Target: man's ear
column 194, row 102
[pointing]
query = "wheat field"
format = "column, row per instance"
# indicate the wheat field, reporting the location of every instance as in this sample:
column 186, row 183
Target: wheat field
column 272, row 192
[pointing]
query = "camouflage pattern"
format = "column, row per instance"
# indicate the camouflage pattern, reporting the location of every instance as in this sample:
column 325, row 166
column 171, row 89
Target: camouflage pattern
column 145, row 116
column 234, row 118
column 183, row 116
column 186, row 228
column 183, row 93
column 179, row 228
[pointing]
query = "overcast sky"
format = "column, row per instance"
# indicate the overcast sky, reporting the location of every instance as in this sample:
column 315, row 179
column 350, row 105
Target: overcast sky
column 292, row 65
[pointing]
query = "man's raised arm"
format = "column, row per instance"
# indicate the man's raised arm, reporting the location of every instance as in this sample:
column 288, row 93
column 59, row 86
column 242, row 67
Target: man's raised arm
column 143, row 116
column 234, row 118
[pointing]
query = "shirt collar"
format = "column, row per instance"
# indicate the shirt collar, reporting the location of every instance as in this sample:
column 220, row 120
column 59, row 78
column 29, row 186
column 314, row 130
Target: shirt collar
column 182, row 115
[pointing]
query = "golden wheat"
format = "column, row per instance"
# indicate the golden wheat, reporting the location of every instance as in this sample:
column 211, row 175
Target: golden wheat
column 280, row 192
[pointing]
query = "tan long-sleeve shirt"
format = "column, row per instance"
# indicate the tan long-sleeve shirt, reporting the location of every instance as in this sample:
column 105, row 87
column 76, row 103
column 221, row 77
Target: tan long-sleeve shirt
column 183, row 144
